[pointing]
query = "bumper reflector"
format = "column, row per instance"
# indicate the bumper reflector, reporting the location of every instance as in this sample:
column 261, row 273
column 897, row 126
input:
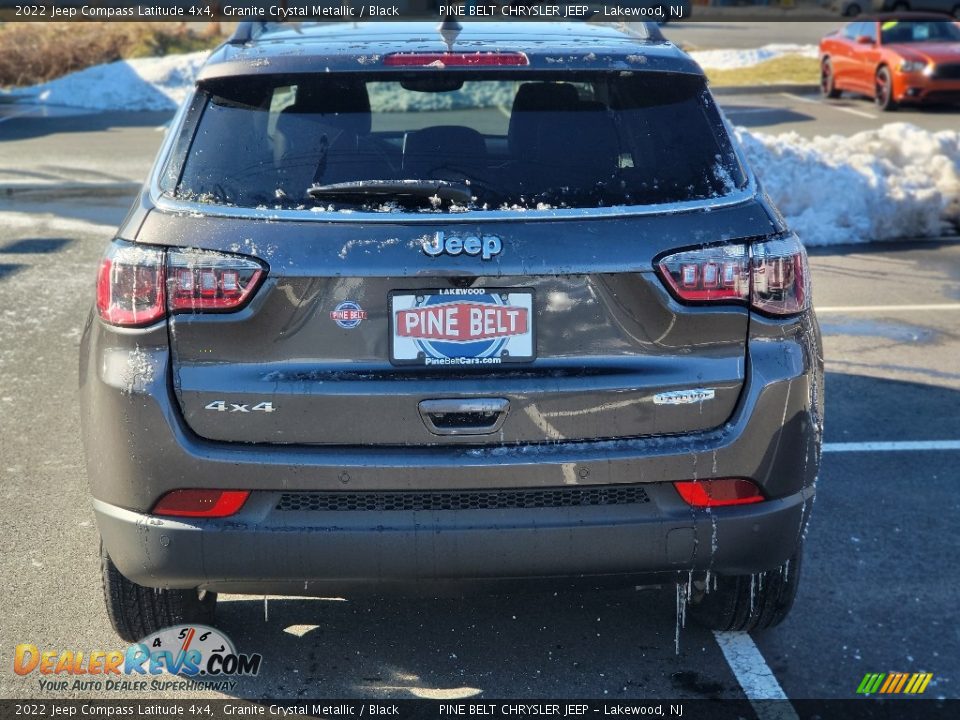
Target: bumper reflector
column 719, row 492
column 201, row 503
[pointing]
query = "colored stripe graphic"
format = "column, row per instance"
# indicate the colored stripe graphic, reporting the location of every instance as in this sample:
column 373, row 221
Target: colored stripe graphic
column 892, row 680
column 918, row 683
column 900, row 683
column 894, row 683
column 870, row 683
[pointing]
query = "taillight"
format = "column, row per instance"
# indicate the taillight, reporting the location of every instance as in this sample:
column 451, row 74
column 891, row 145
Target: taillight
column 130, row 286
column 458, row 59
column 772, row 276
column 780, row 276
column 719, row 492
column 713, row 273
column 203, row 281
column 201, row 503
column 139, row 284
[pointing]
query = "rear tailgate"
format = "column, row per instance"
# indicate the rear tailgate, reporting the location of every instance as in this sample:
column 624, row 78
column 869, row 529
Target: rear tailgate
column 308, row 361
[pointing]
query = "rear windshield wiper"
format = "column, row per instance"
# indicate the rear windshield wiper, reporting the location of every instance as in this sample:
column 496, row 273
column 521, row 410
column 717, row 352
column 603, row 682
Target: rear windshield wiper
column 423, row 189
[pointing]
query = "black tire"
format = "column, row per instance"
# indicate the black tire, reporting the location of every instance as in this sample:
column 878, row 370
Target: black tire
column 136, row 611
column 746, row 602
column 883, row 92
column 852, row 10
column 827, row 87
column 901, row 7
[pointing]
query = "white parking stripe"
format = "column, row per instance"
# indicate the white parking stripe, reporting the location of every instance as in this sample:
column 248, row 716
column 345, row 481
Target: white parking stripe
column 750, row 111
column 754, row 675
column 886, row 308
column 858, row 113
column 812, row 99
column 902, row 446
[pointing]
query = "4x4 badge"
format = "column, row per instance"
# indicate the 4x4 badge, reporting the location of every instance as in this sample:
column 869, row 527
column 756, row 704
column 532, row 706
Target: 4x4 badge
column 439, row 243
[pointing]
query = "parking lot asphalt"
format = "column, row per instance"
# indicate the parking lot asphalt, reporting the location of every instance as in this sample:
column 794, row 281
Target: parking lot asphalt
column 879, row 578
column 804, row 112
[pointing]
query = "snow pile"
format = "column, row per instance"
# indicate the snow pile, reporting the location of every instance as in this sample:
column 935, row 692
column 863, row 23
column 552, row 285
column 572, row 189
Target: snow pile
column 733, row 59
column 156, row 83
column 896, row 182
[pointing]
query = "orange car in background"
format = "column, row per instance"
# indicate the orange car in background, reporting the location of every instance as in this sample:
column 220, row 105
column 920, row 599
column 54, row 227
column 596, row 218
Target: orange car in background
column 894, row 58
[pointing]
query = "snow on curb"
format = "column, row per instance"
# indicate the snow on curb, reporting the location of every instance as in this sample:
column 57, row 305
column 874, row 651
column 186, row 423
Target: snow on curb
column 896, row 182
column 735, row 59
column 156, row 83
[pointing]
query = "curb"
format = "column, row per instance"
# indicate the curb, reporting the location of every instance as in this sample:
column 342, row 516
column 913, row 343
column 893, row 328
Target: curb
column 765, row 89
column 68, row 190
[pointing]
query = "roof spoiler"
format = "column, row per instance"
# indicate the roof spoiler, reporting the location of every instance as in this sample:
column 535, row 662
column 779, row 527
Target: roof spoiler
column 642, row 30
column 247, row 31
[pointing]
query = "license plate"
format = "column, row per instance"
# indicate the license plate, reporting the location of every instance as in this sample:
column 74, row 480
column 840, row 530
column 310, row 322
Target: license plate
column 462, row 327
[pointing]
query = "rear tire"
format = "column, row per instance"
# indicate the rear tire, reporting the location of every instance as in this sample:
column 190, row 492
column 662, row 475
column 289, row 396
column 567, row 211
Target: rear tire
column 883, row 94
column 852, row 10
column 747, row 602
column 828, row 87
column 136, row 611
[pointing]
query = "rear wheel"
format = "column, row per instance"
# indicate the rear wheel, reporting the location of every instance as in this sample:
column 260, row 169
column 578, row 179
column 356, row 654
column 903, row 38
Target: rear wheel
column 852, row 10
column 746, row 602
column 136, row 611
column 884, row 90
column 828, row 86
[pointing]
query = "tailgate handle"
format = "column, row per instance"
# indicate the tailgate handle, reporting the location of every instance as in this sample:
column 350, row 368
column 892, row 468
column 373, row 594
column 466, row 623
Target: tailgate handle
column 464, row 416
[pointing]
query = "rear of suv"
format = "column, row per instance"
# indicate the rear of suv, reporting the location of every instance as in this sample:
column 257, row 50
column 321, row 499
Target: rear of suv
column 398, row 311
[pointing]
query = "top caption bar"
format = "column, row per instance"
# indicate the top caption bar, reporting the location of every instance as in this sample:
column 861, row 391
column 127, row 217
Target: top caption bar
column 400, row 10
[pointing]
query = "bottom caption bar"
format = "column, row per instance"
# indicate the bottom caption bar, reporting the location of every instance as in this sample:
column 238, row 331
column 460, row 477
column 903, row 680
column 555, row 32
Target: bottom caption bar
column 712, row 709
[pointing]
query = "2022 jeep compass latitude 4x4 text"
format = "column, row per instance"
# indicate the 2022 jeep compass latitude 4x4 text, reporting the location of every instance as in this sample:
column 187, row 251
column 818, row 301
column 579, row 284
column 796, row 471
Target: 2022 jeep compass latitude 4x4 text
column 392, row 314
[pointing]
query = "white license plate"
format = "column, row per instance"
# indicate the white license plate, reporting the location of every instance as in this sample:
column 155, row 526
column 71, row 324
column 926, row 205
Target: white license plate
column 462, row 327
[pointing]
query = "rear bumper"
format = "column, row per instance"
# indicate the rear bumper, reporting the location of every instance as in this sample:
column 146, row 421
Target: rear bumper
column 138, row 448
column 267, row 550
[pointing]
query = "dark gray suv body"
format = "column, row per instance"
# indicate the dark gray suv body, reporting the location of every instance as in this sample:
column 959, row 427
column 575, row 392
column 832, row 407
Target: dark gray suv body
column 391, row 315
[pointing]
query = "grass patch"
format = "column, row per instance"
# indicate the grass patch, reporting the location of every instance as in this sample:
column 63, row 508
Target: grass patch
column 32, row 53
column 784, row 69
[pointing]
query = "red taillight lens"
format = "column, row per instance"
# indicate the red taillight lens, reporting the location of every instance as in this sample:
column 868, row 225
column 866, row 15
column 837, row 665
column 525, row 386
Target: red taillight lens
column 713, row 273
column 137, row 285
column 717, row 493
column 205, row 281
column 772, row 275
column 201, row 503
column 130, row 286
column 780, row 276
column 459, row 59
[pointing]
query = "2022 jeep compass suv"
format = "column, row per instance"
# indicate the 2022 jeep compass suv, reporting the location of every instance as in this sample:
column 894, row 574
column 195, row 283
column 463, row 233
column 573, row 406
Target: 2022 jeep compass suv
column 391, row 314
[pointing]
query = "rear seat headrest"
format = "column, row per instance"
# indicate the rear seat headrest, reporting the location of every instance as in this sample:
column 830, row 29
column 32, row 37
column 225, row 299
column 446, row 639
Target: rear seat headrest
column 541, row 96
column 331, row 98
column 536, row 97
column 452, row 146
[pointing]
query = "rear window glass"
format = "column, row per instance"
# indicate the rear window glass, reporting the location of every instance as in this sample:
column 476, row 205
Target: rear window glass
column 511, row 142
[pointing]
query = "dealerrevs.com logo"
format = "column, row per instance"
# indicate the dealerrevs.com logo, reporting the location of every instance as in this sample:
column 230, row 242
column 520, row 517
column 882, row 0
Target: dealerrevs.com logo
column 198, row 655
